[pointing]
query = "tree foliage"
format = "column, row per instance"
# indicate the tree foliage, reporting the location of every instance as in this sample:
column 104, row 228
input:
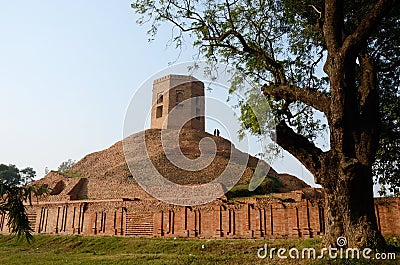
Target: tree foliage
column 11, row 176
column 64, row 166
column 13, row 197
column 281, row 45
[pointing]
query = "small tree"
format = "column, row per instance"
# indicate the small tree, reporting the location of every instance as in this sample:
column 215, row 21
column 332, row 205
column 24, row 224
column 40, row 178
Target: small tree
column 27, row 176
column 66, row 165
column 13, row 197
column 9, row 175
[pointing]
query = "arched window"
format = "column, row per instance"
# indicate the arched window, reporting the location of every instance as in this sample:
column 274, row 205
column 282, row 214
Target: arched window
column 160, row 98
column 179, row 96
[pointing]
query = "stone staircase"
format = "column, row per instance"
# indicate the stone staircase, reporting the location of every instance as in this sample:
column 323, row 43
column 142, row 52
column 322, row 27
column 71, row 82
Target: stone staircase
column 139, row 224
column 32, row 219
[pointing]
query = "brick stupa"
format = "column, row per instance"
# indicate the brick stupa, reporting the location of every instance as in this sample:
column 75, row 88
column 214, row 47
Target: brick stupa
column 99, row 195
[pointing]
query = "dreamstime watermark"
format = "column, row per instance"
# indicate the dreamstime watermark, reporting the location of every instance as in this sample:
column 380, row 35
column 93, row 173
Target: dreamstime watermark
column 144, row 162
column 339, row 252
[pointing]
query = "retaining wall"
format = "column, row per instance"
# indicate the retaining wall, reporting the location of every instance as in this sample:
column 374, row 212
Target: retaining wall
column 252, row 218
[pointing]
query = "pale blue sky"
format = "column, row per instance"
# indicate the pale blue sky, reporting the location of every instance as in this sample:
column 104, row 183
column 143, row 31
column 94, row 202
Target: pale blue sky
column 67, row 72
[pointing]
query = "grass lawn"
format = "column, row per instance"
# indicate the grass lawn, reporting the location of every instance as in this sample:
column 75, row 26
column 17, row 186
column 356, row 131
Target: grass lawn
column 125, row 250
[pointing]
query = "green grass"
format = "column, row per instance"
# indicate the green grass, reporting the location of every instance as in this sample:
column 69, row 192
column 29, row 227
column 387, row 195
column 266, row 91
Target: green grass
column 124, row 250
column 269, row 185
column 71, row 174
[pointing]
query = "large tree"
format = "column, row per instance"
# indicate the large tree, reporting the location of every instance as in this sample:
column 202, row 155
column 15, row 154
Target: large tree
column 335, row 57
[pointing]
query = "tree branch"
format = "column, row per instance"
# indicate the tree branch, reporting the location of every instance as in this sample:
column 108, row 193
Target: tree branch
column 316, row 10
column 276, row 67
column 352, row 44
column 228, row 46
column 246, row 47
column 292, row 93
column 164, row 14
column 299, row 146
column 332, row 27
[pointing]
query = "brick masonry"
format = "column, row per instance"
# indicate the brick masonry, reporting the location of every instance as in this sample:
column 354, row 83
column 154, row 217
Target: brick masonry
column 99, row 196
column 290, row 215
column 178, row 101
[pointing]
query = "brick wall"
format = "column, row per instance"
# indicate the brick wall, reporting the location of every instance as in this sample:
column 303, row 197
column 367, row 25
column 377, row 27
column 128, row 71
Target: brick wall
column 251, row 218
column 173, row 90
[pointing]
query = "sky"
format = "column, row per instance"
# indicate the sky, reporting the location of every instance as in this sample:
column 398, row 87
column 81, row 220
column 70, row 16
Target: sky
column 68, row 70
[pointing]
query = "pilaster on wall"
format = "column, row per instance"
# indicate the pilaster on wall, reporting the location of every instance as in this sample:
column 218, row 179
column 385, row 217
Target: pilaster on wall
column 75, row 217
column 247, row 219
column 4, row 229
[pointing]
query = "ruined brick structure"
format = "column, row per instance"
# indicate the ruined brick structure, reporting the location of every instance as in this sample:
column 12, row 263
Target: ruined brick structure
column 291, row 216
column 99, row 196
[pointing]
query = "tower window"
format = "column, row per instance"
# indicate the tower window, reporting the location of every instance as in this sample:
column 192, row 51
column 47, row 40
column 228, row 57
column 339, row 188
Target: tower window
column 159, row 111
column 160, row 97
column 179, row 96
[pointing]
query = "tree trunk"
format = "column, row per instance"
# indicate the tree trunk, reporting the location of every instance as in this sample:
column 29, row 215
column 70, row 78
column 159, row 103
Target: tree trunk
column 349, row 204
column 352, row 111
column 346, row 172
